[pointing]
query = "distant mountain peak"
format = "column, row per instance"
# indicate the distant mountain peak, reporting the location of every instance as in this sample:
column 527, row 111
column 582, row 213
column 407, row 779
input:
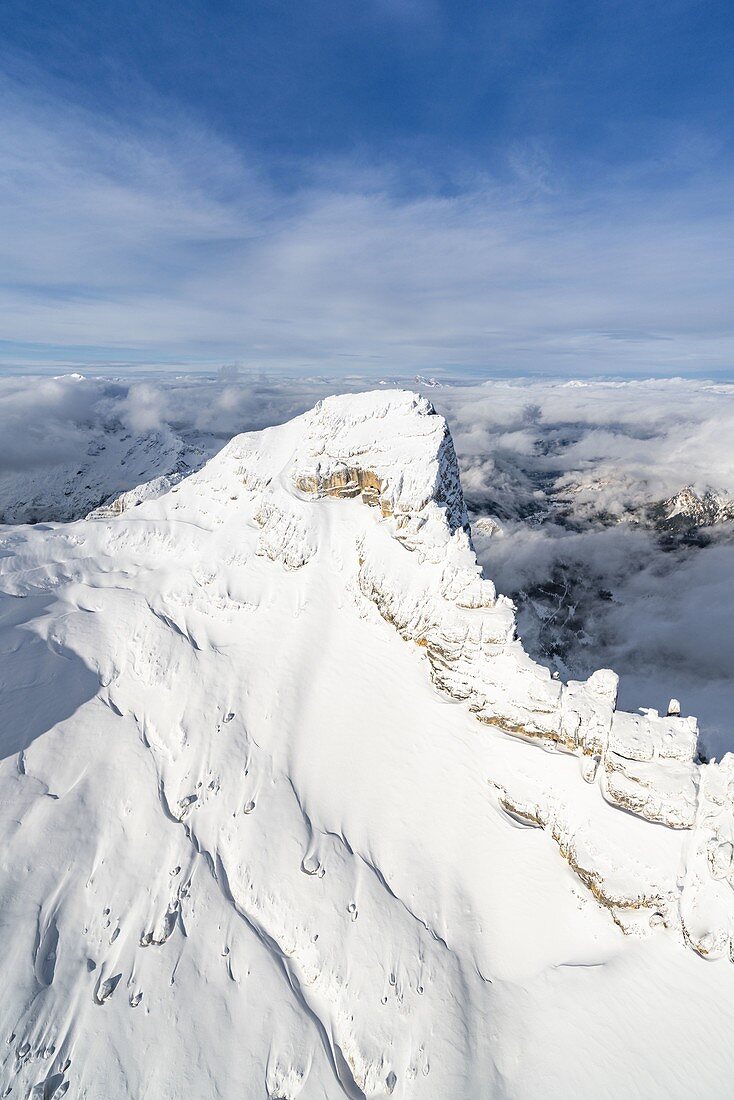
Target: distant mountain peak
column 688, row 508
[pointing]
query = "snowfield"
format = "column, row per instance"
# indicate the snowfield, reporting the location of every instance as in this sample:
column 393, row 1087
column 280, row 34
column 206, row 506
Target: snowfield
column 287, row 811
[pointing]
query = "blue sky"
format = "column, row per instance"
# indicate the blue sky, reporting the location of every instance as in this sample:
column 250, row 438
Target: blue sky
column 384, row 186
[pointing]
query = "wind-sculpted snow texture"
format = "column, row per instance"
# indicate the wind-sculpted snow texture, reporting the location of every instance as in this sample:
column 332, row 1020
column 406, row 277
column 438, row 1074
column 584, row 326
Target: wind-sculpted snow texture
column 288, row 812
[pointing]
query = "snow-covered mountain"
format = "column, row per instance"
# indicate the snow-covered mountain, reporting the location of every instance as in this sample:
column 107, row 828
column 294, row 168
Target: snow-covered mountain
column 575, row 504
column 688, row 510
column 287, row 811
column 114, row 460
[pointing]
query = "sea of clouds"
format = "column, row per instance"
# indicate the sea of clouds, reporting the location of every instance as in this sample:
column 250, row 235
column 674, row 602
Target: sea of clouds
column 659, row 611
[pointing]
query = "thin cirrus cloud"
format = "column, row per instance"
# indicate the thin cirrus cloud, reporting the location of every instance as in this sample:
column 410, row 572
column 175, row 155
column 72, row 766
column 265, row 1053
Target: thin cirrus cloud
column 160, row 243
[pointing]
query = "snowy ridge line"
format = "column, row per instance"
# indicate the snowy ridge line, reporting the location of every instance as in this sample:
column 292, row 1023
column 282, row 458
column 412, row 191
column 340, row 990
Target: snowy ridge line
column 147, row 490
column 647, row 764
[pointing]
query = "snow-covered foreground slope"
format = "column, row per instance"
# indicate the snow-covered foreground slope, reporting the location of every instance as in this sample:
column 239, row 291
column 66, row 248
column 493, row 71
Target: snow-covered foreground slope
column 287, row 811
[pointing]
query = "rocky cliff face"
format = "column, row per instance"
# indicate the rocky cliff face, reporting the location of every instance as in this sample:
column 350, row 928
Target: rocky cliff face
column 304, row 819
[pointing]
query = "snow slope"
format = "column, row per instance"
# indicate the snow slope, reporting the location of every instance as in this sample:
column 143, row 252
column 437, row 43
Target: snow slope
column 288, row 812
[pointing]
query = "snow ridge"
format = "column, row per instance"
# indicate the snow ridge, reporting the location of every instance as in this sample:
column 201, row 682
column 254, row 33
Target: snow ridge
column 646, row 764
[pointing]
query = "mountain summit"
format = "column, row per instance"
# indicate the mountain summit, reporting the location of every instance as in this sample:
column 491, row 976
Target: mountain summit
column 287, row 811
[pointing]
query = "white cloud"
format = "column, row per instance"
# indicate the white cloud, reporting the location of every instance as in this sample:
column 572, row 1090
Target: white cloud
column 164, row 245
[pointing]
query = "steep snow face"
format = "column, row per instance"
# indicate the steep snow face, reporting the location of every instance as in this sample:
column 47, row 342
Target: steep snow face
column 288, row 812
